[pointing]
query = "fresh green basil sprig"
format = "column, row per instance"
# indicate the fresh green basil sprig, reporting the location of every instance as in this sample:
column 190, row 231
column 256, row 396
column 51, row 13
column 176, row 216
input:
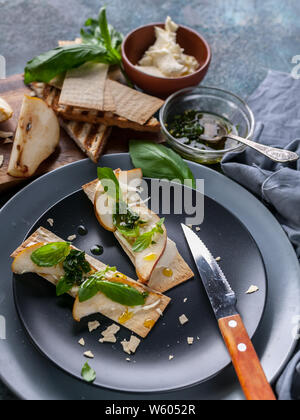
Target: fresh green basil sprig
column 144, row 241
column 101, row 44
column 88, row 374
column 158, row 161
column 118, row 292
column 51, row 254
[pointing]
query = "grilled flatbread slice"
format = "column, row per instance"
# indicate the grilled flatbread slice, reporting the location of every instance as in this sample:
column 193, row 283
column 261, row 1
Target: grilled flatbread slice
column 136, row 319
column 169, row 271
column 51, row 95
column 91, row 138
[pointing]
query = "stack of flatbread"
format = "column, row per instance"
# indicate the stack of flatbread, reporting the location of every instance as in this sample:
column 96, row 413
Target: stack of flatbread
column 90, row 100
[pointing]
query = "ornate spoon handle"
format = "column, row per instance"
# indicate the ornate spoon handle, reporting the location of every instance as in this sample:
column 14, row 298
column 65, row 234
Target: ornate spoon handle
column 277, row 155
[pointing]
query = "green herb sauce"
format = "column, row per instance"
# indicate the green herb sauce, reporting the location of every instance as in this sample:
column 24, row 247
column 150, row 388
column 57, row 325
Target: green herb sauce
column 193, row 128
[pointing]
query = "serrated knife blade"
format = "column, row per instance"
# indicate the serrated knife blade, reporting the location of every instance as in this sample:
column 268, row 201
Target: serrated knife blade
column 223, row 300
column 220, row 294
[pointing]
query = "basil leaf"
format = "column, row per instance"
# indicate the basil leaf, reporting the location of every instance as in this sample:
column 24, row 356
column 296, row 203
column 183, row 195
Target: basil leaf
column 88, row 289
column 104, row 29
column 129, row 232
column 157, row 161
column 46, row 66
column 88, row 374
column 144, row 241
column 110, row 183
column 64, row 285
column 51, row 254
column 122, row 293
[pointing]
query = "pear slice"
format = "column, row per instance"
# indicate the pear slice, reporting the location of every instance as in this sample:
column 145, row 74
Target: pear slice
column 104, row 209
column 23, row 264
column 145, row 261
column 5, row 110
column 104, row 205
column 36, row 138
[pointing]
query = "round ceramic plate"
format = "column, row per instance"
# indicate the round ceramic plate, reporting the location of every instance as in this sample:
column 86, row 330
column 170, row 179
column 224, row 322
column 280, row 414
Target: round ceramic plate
column 49, row 323
column 31, row 376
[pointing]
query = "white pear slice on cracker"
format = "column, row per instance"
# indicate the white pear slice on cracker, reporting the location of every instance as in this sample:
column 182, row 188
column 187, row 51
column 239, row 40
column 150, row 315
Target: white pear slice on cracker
column 137, row 316
column 161, row 274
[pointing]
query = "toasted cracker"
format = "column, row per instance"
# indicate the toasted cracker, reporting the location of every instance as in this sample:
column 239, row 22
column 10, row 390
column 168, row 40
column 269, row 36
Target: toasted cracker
column 51, row 95
column 108, row 99
column 91, row 138
column 84, row 87
column 158, row 281
column 132, row 104
column 100, row 303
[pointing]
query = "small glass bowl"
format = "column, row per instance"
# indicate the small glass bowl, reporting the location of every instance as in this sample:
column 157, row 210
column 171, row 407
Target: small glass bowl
column 216, row 101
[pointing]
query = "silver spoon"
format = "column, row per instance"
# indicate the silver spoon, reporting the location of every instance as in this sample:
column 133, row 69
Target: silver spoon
column 277, row 155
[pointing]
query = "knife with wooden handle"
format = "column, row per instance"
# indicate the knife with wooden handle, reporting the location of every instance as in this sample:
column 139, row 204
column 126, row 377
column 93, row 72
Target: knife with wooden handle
column 223, row 300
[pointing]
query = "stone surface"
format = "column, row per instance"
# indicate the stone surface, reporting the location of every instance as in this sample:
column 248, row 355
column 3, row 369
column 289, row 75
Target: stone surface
column 247, row 36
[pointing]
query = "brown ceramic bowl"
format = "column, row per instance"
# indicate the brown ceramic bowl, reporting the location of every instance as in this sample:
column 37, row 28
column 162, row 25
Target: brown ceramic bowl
column 139, row 41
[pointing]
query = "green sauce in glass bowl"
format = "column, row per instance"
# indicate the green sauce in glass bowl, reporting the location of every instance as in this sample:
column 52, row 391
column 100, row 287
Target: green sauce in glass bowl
column 194, row 128
column 192, row 115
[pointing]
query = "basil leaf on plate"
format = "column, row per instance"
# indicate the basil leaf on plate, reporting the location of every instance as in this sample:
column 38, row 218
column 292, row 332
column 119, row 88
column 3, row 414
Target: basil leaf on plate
column 122, row 293
column 88, row 374
column 64, row 285
column 158, row 161
column 110, row 183
column 88, row 289
column 144, row 241
column 51, row 254
column 118, row 292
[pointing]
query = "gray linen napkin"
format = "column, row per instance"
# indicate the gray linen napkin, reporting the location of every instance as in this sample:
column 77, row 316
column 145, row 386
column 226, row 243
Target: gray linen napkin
column 276, row 105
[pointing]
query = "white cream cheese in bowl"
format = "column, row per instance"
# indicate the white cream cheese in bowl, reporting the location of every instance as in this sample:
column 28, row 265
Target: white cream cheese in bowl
column 166, row 58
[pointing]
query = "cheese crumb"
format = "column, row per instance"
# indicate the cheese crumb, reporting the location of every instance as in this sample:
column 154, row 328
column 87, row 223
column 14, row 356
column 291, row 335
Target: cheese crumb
column 171, row 357
column 131, row 346
column 89, row 355
column 128, row 360
column 94, row 325
column 183, row 319
column 252, row 289
column 1, row 160
column 185, row 300
column 51, row 222
column 72, row 238
column 190, row 340
column 218, row 259
column 81, row 342
column 190, row 226
column 198, row 229
column 109, row 335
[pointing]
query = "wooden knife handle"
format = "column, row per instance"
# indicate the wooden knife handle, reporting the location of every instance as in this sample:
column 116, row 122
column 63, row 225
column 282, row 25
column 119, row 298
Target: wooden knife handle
column 245, row 360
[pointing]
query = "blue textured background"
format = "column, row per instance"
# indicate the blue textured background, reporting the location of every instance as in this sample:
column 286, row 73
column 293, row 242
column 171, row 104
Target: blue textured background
column 247, row 37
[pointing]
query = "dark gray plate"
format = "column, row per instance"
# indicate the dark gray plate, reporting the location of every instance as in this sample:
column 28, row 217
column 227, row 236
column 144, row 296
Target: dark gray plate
column 49, row 324
column 32, row 376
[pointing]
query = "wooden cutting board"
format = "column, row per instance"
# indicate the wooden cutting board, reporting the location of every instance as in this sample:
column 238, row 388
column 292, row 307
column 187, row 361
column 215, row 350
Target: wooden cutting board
column 13, row 91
